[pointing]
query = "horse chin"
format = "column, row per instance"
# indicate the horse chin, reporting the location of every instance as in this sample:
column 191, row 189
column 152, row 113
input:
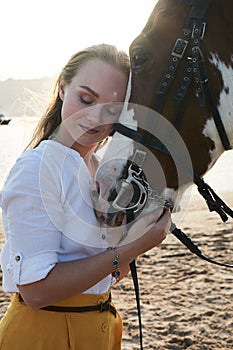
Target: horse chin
column 104, row 211
column 111, row 219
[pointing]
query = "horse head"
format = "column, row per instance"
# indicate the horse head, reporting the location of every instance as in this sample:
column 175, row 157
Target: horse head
column 179, row 112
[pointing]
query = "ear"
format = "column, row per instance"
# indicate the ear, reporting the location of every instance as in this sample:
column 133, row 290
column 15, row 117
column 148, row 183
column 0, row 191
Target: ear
column 61, row 89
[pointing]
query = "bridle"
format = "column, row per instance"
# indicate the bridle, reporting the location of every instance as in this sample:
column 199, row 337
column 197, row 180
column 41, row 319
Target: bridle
column 188, row 46
column 192, row 34
column 190, row 40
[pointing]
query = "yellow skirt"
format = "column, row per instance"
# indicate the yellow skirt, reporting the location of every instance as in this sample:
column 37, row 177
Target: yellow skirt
column 25, row 329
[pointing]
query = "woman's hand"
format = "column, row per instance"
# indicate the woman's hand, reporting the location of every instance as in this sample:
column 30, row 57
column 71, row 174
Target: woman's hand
column 148, row 232
column 144, row 225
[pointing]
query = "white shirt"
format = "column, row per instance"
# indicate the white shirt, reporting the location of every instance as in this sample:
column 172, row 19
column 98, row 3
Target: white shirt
column 48, row 216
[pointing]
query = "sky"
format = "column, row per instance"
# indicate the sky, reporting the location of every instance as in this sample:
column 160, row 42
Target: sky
column 38, row 37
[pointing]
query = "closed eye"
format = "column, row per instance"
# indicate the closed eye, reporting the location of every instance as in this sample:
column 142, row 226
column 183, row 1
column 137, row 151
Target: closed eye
column 87, row 99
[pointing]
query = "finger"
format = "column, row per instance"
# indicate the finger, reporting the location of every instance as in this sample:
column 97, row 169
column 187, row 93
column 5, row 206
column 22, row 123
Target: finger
column 152, row 217
column 166, row 220
column 133, row 235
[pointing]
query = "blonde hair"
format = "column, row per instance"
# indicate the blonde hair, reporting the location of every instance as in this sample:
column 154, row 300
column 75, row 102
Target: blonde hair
column 52, row 117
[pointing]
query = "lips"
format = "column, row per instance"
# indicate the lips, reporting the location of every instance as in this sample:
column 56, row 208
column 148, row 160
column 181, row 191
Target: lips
column 89, row 130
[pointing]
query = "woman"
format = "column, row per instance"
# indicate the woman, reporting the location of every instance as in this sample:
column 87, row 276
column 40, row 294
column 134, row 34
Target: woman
column 55, row 259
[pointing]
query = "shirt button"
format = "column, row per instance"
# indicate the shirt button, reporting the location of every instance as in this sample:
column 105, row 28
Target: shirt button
column 17, row 258
column 9, row 267
column 104, row 327
column 103, row 236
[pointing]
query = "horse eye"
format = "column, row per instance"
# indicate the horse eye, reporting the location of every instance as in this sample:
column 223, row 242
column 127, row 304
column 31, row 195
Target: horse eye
column 139, row 59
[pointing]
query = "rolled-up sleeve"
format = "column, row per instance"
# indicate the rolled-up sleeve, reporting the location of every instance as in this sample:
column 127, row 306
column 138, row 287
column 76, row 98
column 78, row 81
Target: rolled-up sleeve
column 33, row 236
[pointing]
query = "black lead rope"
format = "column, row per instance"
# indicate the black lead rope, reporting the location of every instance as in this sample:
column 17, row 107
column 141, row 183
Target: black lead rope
column 213, row 201
column 134, row 274
column 133, row 269
column 193, row 247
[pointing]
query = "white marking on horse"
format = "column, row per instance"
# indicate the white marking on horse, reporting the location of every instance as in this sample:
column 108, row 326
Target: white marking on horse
column 119, row 150
column 225, row 109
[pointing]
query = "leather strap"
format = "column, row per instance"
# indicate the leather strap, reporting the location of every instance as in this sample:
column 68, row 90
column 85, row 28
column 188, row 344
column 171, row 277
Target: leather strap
column 105, row 306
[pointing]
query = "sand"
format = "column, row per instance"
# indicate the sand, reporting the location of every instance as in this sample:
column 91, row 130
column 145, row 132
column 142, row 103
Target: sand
column 186, row 303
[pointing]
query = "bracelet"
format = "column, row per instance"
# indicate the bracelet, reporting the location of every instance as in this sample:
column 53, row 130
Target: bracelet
column 116, row 273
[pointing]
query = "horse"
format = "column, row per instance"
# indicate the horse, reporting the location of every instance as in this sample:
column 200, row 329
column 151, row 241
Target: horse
column 178, row 115
column 178, row 118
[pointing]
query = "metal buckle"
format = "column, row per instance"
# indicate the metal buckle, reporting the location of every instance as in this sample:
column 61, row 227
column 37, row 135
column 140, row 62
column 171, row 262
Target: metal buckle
column 133, row 177
column 105, row 306
column 139, row 157
column 202, row 30
column 179, row 48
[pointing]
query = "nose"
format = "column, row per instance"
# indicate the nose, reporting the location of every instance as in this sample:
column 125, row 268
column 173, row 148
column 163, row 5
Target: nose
column 94, row 114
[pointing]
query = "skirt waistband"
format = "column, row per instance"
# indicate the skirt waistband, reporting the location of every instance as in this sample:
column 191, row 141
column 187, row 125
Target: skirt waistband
column 82, row 303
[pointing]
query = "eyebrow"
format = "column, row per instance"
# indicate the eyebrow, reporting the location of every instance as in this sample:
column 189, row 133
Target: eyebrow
column 90, row 90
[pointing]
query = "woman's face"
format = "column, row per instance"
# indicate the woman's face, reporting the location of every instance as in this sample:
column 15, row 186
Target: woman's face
column 90, row 102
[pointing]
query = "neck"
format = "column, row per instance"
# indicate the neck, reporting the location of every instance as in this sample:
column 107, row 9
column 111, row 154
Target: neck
column 63, row 136
column 85, row 152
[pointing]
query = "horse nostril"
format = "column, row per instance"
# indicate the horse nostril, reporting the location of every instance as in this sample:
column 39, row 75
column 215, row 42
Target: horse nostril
column 102, row 218
column 95, row 194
